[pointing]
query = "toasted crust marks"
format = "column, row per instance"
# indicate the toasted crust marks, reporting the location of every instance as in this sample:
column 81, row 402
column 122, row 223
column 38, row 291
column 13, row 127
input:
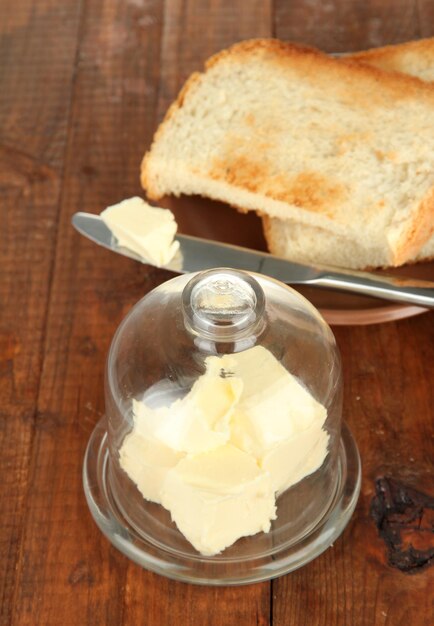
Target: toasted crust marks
column 417, row 59
column 308, row 190
column 312, row 191
column 414, row 58
column 228, row 138
column 421, row 46
column 313, row 60
column 276, row 47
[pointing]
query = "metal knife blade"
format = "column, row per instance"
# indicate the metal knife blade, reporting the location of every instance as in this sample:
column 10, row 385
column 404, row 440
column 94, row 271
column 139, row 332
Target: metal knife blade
column 201, row 254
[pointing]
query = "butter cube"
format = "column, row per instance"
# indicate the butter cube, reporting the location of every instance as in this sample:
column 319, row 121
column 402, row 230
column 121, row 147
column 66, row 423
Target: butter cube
column 217, row 497
column 147, row 462
column 198, row 422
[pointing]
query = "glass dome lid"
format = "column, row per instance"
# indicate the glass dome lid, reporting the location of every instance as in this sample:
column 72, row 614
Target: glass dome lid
column 222, row 458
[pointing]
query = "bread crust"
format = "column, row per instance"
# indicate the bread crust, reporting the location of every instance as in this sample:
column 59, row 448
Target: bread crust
column 146, row 181
column 421, row 230
column 309, row 61
column 266, row 227
column 393, row 52
column 284, row 49
column 401, row 85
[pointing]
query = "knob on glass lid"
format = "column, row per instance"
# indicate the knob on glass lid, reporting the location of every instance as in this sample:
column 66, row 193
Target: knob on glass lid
column 223, row 304
column 222, row 457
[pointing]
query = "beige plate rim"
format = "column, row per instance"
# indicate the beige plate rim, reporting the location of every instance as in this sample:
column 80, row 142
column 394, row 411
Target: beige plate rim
column 343, row 317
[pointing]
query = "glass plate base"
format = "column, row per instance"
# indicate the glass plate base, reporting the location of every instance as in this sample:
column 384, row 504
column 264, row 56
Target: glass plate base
column 221, row 570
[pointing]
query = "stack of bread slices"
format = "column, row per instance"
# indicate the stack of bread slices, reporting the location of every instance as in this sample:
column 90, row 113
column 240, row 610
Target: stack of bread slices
column 335, row 154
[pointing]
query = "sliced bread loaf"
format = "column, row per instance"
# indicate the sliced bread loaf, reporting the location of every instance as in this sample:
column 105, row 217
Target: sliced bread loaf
column 291, row 133
column 300, row 242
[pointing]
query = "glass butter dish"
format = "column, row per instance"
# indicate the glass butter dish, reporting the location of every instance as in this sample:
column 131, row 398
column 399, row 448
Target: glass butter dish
column 222, row 458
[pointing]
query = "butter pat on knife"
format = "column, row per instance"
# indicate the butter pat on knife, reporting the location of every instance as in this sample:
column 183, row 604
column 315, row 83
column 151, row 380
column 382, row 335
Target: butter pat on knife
column 148, row 231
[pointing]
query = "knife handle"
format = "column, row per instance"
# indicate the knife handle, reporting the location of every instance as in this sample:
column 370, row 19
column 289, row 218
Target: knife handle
column 401, row 289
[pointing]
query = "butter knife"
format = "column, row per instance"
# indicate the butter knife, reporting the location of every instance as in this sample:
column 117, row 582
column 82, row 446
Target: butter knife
column 201, row 254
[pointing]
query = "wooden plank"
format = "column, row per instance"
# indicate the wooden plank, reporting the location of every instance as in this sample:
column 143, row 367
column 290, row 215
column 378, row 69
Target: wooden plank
column 388, row 373
column 388, row 394
column 68, row 573
column 37, row 51
column 193, row 31
column 425, row 13
column 153, row 600
column 91, row 292
column 346, row 25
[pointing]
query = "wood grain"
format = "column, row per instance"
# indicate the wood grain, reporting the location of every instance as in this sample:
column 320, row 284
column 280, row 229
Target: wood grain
column 111, row 94
column 388, row 396
column 78, row 110
column 68, row 573
column 425, row 13
column 388, row 405
column 34, row 114
column 347, row 25
column 192, row 32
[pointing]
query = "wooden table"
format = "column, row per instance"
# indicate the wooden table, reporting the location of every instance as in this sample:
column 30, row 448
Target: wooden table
column 83, row 85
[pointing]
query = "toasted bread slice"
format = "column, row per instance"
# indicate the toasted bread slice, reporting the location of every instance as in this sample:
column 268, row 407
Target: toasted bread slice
column 300, row 242
column 291, row 133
